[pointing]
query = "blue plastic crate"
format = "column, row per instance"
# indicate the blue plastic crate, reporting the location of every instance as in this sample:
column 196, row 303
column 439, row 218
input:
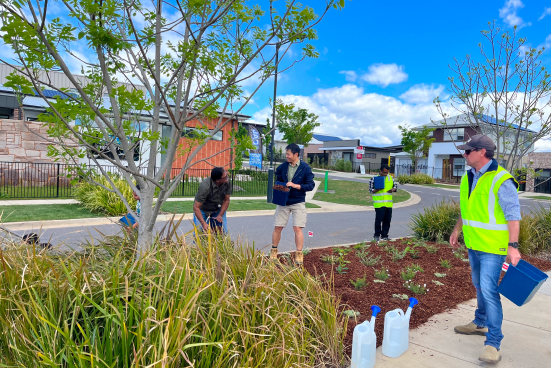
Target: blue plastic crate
column 128, row 220
column 520, row 283
column 279, row 197
column 379, row 182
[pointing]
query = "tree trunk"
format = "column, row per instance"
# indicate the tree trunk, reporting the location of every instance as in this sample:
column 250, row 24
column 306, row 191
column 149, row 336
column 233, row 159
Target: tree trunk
column 146, row 221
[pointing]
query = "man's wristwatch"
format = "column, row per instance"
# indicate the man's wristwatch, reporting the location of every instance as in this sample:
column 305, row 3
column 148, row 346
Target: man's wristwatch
column 514, row 245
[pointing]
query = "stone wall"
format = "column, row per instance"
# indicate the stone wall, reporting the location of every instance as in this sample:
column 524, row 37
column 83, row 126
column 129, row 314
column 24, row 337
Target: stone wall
column 537, row 160
column 334, row 156
column 19, row 144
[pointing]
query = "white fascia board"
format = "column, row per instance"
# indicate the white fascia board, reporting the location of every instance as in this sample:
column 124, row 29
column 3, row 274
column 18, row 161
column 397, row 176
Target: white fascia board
column 336, row 148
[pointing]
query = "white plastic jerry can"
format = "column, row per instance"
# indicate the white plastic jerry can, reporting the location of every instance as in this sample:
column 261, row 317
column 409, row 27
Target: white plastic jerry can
column 364, row 342
column 396, row 333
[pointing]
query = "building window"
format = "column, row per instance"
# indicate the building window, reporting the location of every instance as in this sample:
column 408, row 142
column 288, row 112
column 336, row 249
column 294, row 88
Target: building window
column 458, row 166
column 32, row 119
column 455, row 135
column 201, row 133
column 370, row 155
column 4, row 116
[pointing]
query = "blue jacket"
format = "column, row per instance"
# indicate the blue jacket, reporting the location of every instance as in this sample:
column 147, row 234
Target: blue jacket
column 303, row 176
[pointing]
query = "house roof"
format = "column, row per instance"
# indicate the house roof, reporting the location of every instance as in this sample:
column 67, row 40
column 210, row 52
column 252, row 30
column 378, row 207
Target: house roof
column 462, row 121
column 326, row 138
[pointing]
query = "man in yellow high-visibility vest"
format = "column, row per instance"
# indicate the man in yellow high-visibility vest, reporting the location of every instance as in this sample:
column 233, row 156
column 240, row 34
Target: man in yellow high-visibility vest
column 382, row 201
column 490, row 218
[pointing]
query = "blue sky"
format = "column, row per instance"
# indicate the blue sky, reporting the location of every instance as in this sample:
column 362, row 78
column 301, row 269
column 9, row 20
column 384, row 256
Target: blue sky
column 382, row 63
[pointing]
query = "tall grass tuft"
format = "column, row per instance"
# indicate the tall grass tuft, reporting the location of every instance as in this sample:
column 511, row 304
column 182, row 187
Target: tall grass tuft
column 535, row 231
column 213, row 304
column 97, row 199
column 435, row 222
column 415, row 179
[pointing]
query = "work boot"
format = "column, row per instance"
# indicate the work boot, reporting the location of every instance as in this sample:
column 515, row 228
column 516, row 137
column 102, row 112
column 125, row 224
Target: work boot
column 471, row 329
column 490, row 355
column 273, row 254
column 298, row 258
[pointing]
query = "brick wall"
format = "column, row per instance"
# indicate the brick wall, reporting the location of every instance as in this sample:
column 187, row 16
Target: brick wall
column 216, row 153
column 19, row 144
column 537, row 160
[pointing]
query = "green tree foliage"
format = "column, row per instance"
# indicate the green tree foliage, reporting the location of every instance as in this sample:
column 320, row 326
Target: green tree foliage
column 149, row 65
column 297, row 125
column 416, row 142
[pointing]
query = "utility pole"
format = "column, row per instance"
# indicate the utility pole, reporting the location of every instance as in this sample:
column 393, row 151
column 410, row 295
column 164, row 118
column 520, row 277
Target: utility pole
column 272, row 143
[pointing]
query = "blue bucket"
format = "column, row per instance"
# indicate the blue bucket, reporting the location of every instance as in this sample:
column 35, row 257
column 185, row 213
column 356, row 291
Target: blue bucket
column 521, row 282
column 280, row 197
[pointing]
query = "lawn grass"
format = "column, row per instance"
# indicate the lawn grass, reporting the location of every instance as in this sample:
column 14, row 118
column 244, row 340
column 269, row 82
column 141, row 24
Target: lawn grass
column 45, row 212
column 235, row 205
column 351, row 192
column 540, row 197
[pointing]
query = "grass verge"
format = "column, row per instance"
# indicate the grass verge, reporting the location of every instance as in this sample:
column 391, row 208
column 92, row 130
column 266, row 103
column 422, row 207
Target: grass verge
column 45, row 212
column 352, row 192
column 540, row 197
column 215, row 304
column 447, row 186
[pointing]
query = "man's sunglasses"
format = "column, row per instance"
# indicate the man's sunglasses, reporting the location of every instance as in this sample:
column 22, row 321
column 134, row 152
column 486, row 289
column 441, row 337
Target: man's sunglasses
column 468, row 152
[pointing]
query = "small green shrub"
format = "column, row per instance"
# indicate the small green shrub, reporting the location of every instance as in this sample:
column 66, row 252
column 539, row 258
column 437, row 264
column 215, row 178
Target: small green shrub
column 329, row 258
column 341, row 268
column 417, row 289
column 409, row 272
column 362, row 246
column 306, row 251
column 437, row 283
column 398, row 255
column 382, row 274
column 4, row 195
column 440, row 275
column 445, row 263
column 359, row 283
column 367, row 259
column 342, row 251
column 99, row 200
column 435, row 222
column 400, row 296
column 431, row 248
column 351, row 313
column 415, row 179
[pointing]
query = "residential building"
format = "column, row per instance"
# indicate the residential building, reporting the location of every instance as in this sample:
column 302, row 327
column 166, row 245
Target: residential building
column 444, row 160
column 540, row 163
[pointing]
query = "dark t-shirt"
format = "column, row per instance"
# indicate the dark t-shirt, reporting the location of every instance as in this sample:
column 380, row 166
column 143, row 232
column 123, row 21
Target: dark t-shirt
column 211, row 195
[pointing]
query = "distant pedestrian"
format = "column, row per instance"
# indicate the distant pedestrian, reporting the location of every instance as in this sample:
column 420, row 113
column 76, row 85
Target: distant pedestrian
column 382, row 201
column 490, row 221
column 212, row 201
column 299, row 177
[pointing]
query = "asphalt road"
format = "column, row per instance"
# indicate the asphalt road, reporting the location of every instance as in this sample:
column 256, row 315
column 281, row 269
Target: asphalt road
column 327, row 228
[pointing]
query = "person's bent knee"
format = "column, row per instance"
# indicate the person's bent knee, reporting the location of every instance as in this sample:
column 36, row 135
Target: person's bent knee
column 297, row 229
column 278, row 228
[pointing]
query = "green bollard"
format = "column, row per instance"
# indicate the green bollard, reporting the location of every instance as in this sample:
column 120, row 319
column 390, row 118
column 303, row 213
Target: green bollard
column 326, row 179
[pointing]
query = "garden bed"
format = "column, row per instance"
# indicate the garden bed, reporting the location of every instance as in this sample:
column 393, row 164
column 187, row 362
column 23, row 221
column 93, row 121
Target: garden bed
column 431, row 257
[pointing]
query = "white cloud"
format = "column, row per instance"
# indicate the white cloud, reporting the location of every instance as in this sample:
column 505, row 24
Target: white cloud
column 546, row 43
column 509, row 13
column 385, row 74
column 349, row 75
column 545, row 13
column 422, row 93
column 349, row 112
column 543, row 145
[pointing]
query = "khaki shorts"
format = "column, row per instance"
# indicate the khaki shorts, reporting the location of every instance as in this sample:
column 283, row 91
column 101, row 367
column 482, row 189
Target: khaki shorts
column 283, row 212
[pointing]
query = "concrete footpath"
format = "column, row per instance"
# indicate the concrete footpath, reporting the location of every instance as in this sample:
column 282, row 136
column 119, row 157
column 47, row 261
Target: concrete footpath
column 527, row 342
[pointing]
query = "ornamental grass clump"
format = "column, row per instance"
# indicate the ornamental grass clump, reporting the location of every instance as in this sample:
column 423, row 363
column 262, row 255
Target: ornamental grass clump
column 435, row 222
column 98, row 199
column 418, row 178
column 208, row 304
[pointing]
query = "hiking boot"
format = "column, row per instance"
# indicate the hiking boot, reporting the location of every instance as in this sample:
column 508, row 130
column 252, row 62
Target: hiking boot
column 471, row 329
column 490, row 355
column 273, row 254
column 298, row 257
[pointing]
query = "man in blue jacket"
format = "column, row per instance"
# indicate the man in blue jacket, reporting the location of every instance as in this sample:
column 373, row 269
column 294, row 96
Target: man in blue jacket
column 300, row 179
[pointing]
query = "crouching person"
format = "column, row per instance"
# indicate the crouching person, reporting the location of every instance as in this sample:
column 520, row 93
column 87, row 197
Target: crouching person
column 212, row 201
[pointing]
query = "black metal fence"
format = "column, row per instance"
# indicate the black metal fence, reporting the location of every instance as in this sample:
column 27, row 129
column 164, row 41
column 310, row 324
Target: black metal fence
column 46, row 180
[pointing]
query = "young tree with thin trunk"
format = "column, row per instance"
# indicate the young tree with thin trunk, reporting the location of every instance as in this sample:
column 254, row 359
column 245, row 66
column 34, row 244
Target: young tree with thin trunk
column 505, row 94
column 416, row 143
column 180, row 63
column 296, row 124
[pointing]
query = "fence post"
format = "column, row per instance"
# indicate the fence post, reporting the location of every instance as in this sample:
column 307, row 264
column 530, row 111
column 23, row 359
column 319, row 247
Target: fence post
column 183, row 183
column 57, row 194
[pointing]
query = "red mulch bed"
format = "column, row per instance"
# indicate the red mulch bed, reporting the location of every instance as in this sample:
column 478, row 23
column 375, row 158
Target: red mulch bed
column 457, row 283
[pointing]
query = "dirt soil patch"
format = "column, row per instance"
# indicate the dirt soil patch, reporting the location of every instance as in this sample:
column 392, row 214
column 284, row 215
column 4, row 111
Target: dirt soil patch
column 456, row 288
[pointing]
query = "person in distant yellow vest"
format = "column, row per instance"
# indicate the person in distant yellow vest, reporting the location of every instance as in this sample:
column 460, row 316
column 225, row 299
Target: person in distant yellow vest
column 382, row 201
column 490, row 220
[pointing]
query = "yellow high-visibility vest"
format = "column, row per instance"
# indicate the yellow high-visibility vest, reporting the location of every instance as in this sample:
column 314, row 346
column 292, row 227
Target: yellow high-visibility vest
column 383, row 198
column 484, row 224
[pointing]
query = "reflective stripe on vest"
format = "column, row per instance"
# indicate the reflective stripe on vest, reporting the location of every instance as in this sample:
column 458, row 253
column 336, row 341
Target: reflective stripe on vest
column 484, row 224
column 384, row 199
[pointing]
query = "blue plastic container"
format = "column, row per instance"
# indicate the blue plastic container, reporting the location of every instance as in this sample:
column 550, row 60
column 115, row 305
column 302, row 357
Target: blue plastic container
column 520, row 283
column 279, row 197
column 379, row 182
